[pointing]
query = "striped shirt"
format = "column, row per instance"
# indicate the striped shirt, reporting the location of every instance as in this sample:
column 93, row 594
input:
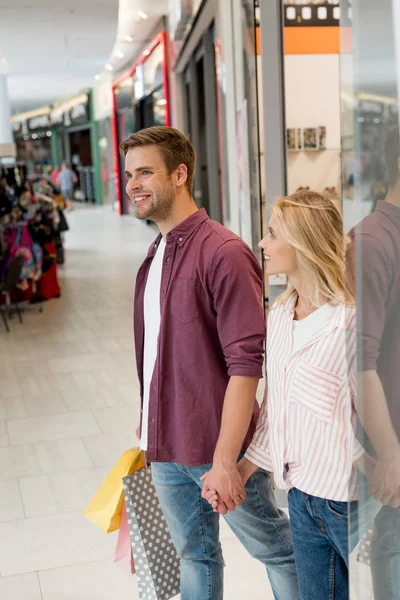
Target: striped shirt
column 306, row 430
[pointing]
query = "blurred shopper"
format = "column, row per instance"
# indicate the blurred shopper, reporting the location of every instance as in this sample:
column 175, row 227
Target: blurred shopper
column 305, row 434
column 66, row 180
column 54, row 175
column 376, row 248
column 199, row 334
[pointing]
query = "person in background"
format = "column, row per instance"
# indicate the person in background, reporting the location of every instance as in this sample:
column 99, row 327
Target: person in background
column 374, row 254
column 199, row 337
column 305, row 434
column 54, row 175
column 66, row 181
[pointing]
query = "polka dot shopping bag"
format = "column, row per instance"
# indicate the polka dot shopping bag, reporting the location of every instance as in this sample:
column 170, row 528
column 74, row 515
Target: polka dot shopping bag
column 156, row 561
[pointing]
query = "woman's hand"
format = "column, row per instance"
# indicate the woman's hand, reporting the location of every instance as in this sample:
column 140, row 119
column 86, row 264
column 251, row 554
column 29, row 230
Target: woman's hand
column 246, row 470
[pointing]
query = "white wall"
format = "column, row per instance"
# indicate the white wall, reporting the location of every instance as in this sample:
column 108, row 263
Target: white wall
column 312, row 89
column 102, row 98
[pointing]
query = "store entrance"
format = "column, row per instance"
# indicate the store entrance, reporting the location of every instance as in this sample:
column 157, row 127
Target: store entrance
column 80, row 150
column 202, row 120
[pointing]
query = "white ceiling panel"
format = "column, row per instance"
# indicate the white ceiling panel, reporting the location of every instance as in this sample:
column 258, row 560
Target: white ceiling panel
column 53, row 49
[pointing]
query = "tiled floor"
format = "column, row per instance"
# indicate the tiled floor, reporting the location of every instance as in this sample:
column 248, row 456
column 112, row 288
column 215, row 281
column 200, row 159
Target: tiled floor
column 68, row 408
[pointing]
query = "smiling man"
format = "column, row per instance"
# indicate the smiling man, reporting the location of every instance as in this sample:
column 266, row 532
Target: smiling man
column 199, row 337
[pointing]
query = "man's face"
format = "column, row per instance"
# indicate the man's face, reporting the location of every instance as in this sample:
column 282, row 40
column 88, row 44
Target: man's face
column 148, row 184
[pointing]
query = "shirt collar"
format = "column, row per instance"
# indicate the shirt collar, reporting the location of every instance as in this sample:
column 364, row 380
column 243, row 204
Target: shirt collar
column 340, row 318
column 182, row 232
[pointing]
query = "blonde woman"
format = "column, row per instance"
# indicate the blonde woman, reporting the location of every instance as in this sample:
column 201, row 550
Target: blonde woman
column 305, row 432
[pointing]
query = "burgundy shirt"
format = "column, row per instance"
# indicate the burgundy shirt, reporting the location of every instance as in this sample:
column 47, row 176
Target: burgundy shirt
column 212, row 327
column 377, row 270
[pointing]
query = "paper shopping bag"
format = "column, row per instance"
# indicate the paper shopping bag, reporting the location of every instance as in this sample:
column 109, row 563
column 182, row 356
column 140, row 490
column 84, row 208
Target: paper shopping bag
column 156, row 562
column 106, row 507
column 123, row 552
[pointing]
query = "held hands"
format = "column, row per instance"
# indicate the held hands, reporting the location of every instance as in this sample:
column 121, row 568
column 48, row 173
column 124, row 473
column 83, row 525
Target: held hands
column 384, row 480
column 223, row 488
column 227, row 493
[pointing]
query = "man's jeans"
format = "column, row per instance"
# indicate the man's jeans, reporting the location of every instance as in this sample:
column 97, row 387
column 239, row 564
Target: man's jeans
column 261, row 527
column 320, row 541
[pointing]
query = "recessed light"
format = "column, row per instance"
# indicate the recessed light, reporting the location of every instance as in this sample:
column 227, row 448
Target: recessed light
column 109, row 67
column 129, row 38
column 97, row 77
column 119, row 54
column 142, row 15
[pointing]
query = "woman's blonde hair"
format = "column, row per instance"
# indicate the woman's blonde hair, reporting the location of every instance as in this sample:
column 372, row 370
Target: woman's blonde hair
column 313, row 226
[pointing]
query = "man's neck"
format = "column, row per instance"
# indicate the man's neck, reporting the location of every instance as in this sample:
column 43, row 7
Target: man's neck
column 178, row 216
column 393, row 195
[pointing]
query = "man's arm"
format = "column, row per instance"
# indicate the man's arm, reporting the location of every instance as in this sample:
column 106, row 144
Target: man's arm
column 224, row 477
column 236, row 286
column 373, row 286
column 384, row 476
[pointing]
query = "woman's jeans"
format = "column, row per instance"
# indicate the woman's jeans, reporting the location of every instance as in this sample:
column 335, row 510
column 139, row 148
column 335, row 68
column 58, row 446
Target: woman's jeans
column 321, row 548
column 258, row 523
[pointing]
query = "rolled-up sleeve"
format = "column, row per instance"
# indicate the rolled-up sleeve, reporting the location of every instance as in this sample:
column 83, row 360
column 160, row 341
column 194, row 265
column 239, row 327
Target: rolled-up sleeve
column 372, row 282
column 236, row 287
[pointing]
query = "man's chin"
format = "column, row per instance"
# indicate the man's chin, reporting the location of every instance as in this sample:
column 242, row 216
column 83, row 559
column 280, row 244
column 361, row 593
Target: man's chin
column 142, row 215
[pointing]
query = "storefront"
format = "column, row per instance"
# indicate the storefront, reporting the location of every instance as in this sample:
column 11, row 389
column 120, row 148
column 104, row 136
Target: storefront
column 194, row 44
column 75, row 142
column 33, row 138
column 102, row 114
column 141, row 99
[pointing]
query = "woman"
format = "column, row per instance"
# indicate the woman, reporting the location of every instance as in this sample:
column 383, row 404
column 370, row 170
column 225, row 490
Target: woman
column 305, row 433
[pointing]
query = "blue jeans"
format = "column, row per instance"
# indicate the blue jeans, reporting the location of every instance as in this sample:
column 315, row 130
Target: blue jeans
column 320, row 541
column 262, row 528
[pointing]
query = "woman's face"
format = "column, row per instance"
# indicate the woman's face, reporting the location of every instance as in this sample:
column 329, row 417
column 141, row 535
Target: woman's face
column 280, row 257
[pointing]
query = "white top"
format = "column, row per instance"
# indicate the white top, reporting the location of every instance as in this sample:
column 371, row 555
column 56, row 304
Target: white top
column 152, row 320
column 306, row 429
column 305, row 330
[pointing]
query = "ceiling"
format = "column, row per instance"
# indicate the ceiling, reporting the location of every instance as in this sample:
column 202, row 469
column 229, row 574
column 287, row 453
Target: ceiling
column 52, row 50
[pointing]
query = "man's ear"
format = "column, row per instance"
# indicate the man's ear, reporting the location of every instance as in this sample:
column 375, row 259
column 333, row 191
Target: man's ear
column 181, row 174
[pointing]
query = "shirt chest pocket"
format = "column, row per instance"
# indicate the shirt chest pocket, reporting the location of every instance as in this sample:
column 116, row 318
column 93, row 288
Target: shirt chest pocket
column 315, row 389
column 184, row 300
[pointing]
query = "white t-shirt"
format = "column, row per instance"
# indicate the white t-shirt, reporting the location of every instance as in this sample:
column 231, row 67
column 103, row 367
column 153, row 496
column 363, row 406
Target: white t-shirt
column 152, row 319
column 306, row 329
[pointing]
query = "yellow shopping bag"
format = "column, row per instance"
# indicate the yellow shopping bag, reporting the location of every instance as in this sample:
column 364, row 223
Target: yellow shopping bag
column 106, row 507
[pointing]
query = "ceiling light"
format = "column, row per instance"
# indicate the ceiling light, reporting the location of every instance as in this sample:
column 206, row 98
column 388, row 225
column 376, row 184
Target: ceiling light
column 162, row 102
column 142, row 15
column 146, row 53
column 109, row 67
column 97, row 77
column 129, row 38
column 119, row 54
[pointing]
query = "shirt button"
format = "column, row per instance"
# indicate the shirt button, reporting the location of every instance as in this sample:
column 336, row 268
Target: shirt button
column 168, row 259
column 180, row 240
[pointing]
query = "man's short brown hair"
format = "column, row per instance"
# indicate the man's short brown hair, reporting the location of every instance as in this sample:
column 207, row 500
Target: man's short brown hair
column 174, row 147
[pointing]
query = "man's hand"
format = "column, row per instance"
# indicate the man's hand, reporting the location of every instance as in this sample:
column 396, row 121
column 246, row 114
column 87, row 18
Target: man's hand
column 227, row 483
column 384, row 480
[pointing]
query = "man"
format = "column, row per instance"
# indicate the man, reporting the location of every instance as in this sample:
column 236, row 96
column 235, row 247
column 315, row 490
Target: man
column 66, row 180
column 199, row 336
column 375, row 254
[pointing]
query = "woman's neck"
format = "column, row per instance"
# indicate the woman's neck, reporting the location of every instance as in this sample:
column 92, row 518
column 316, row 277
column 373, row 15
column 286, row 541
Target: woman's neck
column 304, row 306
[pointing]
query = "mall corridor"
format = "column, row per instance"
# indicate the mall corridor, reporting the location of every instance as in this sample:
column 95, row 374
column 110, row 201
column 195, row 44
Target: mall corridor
column 68, row 409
